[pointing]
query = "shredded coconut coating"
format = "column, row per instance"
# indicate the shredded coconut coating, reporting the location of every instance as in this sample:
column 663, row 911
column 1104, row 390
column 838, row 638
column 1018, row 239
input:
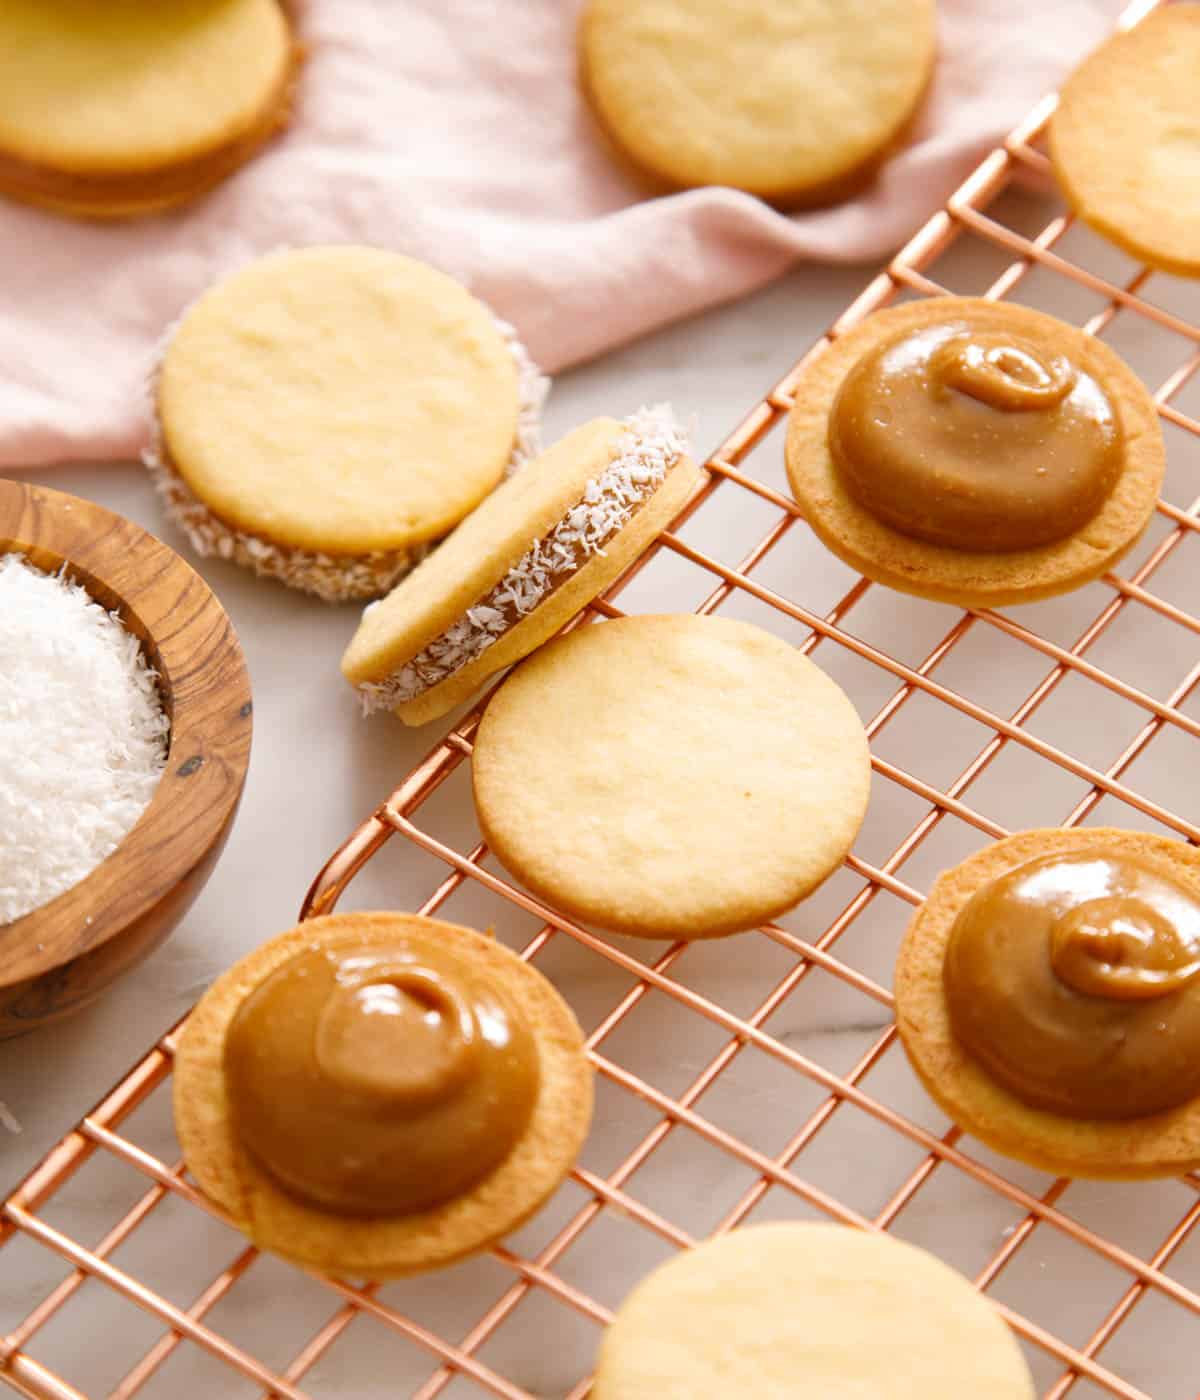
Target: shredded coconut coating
column 83, row 736
column 333, row 578
column 532, row 388
column 651, row 443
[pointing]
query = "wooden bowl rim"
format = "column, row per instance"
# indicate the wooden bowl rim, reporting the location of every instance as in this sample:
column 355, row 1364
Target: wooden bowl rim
column 77, row 906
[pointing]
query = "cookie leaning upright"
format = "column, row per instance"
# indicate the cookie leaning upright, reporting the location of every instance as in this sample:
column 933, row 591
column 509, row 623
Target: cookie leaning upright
column 326, row 414
column 797, row 101
column 125, row 108
column 1125, row 140
column 535, row 553
column 671, row 776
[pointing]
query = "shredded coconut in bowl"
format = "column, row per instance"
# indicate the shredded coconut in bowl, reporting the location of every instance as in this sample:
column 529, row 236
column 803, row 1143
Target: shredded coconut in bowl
column 83, row 735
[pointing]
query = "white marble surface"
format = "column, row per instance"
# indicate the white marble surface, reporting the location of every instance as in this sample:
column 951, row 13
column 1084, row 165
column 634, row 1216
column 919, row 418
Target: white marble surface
column 317, row 769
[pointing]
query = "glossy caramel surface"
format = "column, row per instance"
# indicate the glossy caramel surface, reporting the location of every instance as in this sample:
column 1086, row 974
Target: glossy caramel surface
column 380, row 1081
column 1073, row 980
column 968, row 436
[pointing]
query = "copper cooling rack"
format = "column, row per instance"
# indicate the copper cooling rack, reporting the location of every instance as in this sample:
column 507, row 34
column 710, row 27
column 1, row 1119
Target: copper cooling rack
column 175, row 1297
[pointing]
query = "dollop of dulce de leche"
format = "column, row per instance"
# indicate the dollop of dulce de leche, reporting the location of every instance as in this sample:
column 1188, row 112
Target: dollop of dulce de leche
column 969, row 436
column 371, row 1081
column 1072, row 980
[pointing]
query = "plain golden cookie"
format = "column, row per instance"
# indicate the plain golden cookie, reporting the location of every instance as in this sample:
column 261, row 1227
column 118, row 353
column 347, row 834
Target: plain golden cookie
column 772, row 1312
column 797, row 101
column 536, row 552
column 1160, row 1144
column 326, row 413
column 968, row 578
column 124, row 108
column 381, row 1246
column 671, row 777
column 1125, row 140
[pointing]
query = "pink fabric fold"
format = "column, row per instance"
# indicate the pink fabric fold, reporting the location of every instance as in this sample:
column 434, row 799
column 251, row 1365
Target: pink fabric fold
column 455, row 131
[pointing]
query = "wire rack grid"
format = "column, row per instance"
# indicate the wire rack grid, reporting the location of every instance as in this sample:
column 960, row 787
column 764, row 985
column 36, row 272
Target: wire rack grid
column 194, row 1289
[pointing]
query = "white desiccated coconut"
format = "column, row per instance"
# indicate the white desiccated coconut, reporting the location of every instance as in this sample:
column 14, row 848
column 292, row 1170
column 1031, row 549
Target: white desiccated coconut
column 82, row 735
column 333, row 578
column 651, row 443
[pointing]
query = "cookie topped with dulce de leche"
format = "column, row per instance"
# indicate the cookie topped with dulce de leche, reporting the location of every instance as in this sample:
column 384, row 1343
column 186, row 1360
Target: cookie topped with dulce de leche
column 378, row 1094
column 974, row 452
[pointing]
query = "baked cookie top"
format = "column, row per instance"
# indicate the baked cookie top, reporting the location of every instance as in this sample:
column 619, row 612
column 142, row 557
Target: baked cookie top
column 1125, row 140
column 125, row 87
column 380, row 1243
column 985, row 577
column 776, row 1311
column 784, row 98
column 340, row 399
column 671, row 776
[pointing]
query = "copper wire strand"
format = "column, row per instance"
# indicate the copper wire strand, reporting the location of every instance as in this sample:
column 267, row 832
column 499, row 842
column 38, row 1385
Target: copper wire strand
column 910, row 271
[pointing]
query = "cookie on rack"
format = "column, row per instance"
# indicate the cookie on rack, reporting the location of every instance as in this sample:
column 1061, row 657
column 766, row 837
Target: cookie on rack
column 326, row 414
column 1125, row 141
column 124, row 108
column 797, row 101
column 670, row 776
column 782, row 1310
column 378, row 1094
column 1048, row 997
column 974, row 452
column 534, row 554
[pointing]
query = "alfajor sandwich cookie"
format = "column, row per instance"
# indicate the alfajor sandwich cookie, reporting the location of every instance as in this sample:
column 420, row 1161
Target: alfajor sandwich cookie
column 533, row 555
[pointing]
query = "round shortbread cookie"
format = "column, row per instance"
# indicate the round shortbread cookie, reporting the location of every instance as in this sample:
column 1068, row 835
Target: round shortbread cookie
column 122, row 108
column 970, row 578
column 345, row 404
column 671, row 777
column 797, row 101
column 1125, row 140
column 381, row 1246
column 535, row 553
column 778, row 1311
column 1160, row 1144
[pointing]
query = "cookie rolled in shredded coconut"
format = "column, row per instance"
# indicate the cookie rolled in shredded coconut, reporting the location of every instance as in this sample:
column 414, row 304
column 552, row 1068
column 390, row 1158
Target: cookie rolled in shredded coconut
column 325, row 415
column 333, row 578
column 651, row 443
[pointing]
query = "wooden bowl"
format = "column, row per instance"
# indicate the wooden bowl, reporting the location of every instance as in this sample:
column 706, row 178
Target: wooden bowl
column 64, row 954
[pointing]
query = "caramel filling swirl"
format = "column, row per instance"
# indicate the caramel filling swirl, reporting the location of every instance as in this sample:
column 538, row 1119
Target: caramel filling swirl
column 1073, row 980
column 975, row 438
column 380, row 1081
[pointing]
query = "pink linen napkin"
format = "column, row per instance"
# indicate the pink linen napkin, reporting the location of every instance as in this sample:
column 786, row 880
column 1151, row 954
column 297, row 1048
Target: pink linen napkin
column 454, row 130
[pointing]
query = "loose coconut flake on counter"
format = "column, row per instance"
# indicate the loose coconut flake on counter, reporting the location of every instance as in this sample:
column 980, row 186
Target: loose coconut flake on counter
column 83, row 735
